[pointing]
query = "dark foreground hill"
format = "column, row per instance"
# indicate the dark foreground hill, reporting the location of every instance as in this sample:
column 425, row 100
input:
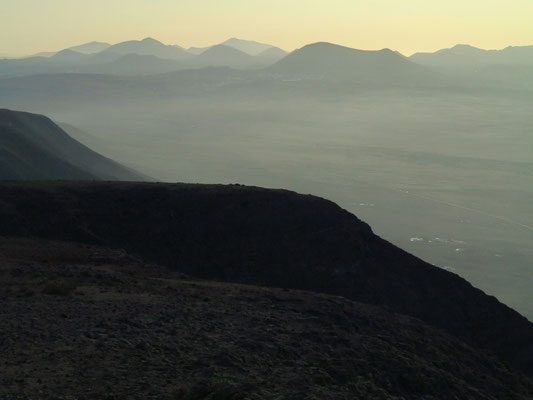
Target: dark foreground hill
column 265, row 237
column 85, row 322
column 33, row 147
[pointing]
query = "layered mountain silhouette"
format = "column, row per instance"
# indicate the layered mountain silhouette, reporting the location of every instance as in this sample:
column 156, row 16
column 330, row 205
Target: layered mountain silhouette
column 463, row 55
column 142, row 57
column 32, row 147
column 332, row 61
column 149, row 46
column 268, row 238
column 317, row 60
column 249, row 47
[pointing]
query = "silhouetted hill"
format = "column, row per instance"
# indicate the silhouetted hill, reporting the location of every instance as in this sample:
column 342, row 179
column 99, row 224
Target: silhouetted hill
column 151, row 47
column 270, row 238
column 79, row 320
column 326, row 60
column 32, row 147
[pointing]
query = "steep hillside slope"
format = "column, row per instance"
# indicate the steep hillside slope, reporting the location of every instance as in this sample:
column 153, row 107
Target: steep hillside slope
column 81, row 321
column 265, row 237
column 32, row 147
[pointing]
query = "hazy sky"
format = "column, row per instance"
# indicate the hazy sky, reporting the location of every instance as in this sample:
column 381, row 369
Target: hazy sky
column 29, row 26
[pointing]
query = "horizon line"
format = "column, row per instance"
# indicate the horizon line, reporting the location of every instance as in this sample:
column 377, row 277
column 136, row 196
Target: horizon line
column 8, row 55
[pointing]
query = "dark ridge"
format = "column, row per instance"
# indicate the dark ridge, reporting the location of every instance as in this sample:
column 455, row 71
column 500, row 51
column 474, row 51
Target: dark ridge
column 265, row 237
column 32, row 147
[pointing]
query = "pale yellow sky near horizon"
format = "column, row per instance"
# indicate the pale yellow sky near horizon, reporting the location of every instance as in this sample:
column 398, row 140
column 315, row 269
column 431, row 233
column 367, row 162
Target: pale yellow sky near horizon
column 408, row 26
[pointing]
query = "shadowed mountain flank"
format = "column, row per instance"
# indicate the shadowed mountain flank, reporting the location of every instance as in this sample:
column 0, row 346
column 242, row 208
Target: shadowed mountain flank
column 265, row 237
column 33, row 147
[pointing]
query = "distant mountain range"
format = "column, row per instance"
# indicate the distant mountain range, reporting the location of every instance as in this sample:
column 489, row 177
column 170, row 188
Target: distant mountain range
column 463, row 55
column 143, row 57
column 458, row 57
column 461, row 64
column 150, row 46
column 32, row 147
